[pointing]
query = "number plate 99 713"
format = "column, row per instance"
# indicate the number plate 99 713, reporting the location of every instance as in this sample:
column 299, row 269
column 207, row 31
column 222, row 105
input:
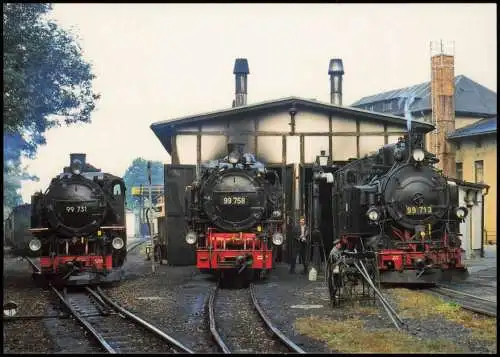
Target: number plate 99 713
column 418, row 210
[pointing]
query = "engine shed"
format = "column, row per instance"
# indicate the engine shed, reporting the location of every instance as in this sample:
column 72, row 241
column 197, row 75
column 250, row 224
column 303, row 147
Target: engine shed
column 285, row 134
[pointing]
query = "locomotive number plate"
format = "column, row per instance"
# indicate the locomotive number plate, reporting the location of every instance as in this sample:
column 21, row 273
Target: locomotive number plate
column 76, row 209
column 234, row 200
column 417, row 210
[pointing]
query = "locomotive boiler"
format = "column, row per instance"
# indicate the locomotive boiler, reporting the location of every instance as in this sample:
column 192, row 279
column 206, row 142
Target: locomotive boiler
column 396, row 204
column 79, row 225
column 234, row 214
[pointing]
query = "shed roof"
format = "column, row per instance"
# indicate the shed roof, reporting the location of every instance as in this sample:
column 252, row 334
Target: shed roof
column 481, row 127
column 476, row 185
column 165, row 129
column 471, row 98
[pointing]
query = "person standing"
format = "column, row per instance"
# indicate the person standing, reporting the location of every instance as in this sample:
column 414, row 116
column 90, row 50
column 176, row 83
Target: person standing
column 299, row 245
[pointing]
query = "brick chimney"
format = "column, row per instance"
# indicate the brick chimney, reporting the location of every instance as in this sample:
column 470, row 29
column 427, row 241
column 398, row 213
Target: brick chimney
column 443, row 105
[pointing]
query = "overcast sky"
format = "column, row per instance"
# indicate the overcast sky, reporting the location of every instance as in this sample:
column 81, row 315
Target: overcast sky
column 159, row 61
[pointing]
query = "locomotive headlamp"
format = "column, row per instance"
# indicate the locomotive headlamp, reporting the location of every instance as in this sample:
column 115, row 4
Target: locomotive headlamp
column 117, row 243
column 35, row 244
column 278, row 238
column 322, row 159
column 234, row 157
column 76, row 167
column 373, row 214
column 276, row 213
column 191, row 238
column 418, row 155
column 461, row 212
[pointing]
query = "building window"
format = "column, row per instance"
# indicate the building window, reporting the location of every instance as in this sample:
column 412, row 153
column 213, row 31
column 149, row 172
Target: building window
column 479, row 171
column 460, row 170
column 458, row 146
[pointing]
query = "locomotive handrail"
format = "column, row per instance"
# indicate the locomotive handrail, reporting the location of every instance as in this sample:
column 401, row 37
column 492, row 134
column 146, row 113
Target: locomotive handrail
column 113, row 227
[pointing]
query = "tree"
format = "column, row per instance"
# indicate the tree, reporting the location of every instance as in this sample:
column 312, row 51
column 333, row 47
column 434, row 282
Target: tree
column 46, row 83
column 137, row 174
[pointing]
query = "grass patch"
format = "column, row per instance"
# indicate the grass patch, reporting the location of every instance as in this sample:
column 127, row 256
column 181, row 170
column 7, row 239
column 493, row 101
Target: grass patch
column 350, row 336
column 418, row 305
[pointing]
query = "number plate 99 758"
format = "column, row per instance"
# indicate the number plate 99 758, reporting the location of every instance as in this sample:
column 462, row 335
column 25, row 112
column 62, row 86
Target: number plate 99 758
column 234, row 200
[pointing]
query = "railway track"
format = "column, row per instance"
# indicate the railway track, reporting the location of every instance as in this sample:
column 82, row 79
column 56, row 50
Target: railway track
column 467, row 301
column 115, row 329
column 242, row 326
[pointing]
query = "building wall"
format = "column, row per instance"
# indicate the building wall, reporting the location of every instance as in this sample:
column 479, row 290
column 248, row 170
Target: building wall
column 461, row 121
column 270, row 136
column 467, row 153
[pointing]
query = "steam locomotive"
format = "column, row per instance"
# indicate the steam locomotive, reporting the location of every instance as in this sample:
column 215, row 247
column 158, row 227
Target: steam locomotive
column 396, row 204
column 79, row 225
column 234, row 213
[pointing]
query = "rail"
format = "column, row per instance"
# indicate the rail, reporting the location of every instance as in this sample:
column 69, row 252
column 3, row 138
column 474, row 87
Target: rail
column 275, row 331
column 289, row 343
column 467, row 301
column 107, row 305
column 100, row 339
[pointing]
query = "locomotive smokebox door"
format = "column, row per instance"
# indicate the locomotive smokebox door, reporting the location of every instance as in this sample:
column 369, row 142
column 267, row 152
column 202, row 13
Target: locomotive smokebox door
column 177, row 177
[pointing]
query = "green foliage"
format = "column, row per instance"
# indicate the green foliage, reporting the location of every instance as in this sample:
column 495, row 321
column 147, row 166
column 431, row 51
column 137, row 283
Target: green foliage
column 137, row 174
column 46, row 83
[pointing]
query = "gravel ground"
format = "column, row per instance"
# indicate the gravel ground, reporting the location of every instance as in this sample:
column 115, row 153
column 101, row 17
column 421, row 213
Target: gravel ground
column 174, row 299
column 240, row 326
column 287, row 297
column 19, row 287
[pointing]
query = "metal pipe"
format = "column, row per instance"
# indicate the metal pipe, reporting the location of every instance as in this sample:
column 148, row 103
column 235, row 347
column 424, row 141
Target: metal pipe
column 482, row 220
column 336, row 71
column 365, row 274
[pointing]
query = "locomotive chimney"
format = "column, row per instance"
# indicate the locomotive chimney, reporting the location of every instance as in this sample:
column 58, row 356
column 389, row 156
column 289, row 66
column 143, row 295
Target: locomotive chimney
column 336, row 71
column 240, row 72
column 235, row 146
column 80, row 157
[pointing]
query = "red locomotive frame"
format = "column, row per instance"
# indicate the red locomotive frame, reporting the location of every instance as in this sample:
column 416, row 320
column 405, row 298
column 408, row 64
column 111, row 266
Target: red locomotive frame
column 438, row 258
column 91, row 262
column 246, row 249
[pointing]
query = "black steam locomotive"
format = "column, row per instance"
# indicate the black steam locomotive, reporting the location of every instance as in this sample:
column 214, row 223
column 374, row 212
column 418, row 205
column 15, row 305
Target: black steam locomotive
column 234, row 212
column 395, row 203
column 79, row 225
